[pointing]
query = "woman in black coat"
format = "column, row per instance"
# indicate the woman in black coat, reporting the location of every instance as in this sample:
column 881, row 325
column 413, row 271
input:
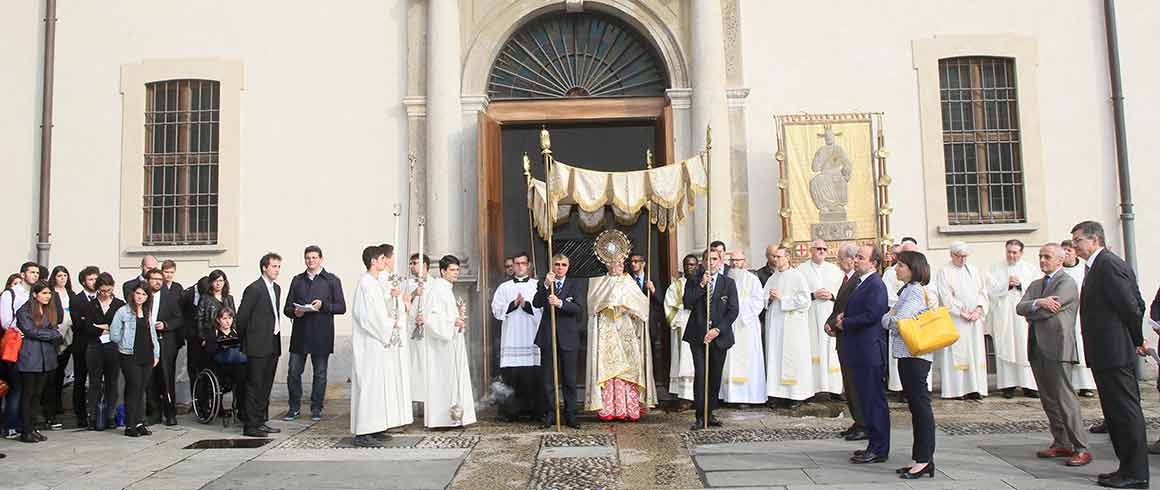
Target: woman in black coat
column 216, row 297
column 37, row 320
column 102, row 357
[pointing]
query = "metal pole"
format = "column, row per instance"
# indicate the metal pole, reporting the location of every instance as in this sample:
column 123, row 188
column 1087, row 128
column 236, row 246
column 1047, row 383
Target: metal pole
column 1127, row 216
column 43, row 237
column 546, row 151
column 531, row 217
column 648, row 163
column 708, row 256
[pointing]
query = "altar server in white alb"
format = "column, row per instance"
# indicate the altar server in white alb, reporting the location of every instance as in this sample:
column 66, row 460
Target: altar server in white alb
column 743, row 378
column 449, row 401
column 519, row 357
column 823, row 279
column 380, row 394
column 1005, row 285
column 1081, row 374
column 963, row 365
column 789, row 377
column 413, row 294
column 677, row 317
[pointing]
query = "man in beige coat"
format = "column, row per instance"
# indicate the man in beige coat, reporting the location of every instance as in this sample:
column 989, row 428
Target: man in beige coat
column 1050, row 304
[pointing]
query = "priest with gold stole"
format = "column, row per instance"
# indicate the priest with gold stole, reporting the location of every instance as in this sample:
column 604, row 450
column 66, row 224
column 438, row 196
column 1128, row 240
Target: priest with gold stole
column 620, row 378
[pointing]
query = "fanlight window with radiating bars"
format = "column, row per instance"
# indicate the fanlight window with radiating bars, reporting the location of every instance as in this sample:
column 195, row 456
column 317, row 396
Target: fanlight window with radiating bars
column 181, row 162
column 577, row 55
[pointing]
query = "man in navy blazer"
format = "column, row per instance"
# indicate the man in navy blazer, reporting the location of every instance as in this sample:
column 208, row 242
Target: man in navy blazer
column 860, row 348
column 714, row 340
column 570, row 296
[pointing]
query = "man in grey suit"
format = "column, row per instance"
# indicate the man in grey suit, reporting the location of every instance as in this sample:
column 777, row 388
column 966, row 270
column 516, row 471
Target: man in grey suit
column 1050, row 304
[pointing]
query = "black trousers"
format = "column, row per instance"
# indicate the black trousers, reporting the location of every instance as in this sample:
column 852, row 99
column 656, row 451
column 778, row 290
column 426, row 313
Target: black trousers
column 716, row 365
column 80, row 380
column 162, row 394
column 54, row 387
column 104, row 370
column 196, row 359
column 872, row 396
column 527, row 399
column 259, row 381
column 853, row 402
column 1120, row 401
column 912, row 372
column 30, row 405
column 567, row 370
column 136, row 379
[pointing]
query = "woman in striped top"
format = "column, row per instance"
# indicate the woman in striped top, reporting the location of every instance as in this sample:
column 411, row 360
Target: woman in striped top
column 913, row 299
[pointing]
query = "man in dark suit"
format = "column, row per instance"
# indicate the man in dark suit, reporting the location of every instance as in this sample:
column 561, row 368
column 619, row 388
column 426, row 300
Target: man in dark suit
column 713, row 339
column 568, row 302
column 857, row 430
column 1111, row 315
column 861, row 349
column 166, row 317
column 148, row 263
column 1049, row 304
column 313, row 334
column 259, row 324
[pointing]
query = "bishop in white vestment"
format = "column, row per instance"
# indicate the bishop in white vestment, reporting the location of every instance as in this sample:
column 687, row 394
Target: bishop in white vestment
column 1081, row 374
column 743, row 376
column 449, row 401
column 519, row 356
column 824, row 280
column 1005, row 285
column 677, row 317
column 963, row 365
column 788, row 374
column 380, row 393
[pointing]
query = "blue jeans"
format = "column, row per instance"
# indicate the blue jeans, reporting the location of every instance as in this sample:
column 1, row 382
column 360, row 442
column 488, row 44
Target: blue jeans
column 317, row 385
column 12, row 419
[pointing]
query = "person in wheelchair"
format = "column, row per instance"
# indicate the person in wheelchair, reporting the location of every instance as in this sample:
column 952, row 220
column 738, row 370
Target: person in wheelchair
column 227, row 362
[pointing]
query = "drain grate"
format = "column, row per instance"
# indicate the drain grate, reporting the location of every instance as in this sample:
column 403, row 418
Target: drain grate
column 228, row 443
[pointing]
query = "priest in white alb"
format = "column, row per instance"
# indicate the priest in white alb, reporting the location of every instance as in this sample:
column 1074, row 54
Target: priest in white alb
column 677, row 317
column 519, row 357
column 1005, row 285
column 449, row 401
column 380, row 395
column 743, row 377
column 619, row 378
column 1081, row 374
column 413, row 293
column 824, row 280
column 963, row 365
column 789, row 376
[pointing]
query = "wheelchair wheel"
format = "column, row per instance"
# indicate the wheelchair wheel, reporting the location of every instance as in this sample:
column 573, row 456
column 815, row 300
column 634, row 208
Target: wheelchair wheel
column 207, row 396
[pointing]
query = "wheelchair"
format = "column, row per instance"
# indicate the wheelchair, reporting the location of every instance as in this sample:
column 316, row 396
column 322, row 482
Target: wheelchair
column 209, row 394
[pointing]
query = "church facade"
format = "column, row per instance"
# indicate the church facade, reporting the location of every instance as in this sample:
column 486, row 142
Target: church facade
column 212, row 132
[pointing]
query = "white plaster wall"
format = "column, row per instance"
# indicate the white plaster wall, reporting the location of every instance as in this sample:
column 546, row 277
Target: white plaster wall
column 20, row 53
column 831, row 56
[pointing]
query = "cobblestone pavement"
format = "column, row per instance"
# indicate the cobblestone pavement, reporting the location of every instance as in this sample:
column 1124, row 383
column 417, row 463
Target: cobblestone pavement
column 981, row 444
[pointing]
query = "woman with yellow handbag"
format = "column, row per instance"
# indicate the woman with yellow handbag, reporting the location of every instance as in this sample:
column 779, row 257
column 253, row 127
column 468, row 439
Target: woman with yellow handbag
column 913, row 300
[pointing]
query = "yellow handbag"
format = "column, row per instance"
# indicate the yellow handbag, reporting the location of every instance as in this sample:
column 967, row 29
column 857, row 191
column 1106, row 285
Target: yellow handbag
column 931, row 330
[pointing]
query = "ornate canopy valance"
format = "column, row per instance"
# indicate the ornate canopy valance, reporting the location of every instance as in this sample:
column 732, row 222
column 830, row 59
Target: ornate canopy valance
column 668, row 190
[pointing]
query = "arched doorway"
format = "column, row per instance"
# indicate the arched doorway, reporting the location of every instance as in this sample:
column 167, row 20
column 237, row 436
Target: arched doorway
column 598, row 84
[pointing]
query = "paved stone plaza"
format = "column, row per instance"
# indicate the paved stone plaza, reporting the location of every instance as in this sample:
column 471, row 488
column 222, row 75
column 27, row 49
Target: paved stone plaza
column 981, row 445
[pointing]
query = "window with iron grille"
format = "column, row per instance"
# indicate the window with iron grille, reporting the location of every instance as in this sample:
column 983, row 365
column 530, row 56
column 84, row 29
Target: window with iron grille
column 181, row 162
column 981, row 148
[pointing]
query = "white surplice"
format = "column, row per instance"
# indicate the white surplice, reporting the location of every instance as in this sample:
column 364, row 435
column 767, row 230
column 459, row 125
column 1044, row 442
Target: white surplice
column 823, row 351
column 681, row 364
column 788, row 374
column 449, row 383
column 743, row 377
column 1008, row 329
column 518, row 333
column 1081, row 374
column 416, row 336
column 963, row 365
column 380, row 395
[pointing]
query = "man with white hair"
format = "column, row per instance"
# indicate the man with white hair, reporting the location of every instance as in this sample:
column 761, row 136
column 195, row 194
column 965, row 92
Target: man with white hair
column 1007, row 282
column 824, row 280
column 1081, row 374
column 743, row 377
column 963, row 365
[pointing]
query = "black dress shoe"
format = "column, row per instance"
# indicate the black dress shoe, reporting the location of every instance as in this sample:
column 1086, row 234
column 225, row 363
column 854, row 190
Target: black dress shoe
column 252, row 432
column 28, row 437
column 714, row 421
column 697, row 425
column 1008, row 392
column 38, row 435
column 269, row 430
column 927, row 471
column 857, row 435
column 170, row 421
column 1123, row 482
column 859, row 452
column 1098, row 428
column 144, row 430
column 132, row 432
column 868, row 458
column 1105, row 476
column 1030, row 393
column 573, row 424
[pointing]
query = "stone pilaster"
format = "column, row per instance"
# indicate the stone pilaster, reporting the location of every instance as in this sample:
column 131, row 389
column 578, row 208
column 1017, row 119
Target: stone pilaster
column 710, row 110
column 444, row 196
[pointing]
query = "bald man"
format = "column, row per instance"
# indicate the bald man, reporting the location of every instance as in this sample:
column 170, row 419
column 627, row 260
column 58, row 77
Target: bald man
column 769, row 268
column 148, row 263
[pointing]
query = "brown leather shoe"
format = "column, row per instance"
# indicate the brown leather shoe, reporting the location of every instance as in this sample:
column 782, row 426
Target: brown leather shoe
column 1079, row 459
column 1057, row 452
